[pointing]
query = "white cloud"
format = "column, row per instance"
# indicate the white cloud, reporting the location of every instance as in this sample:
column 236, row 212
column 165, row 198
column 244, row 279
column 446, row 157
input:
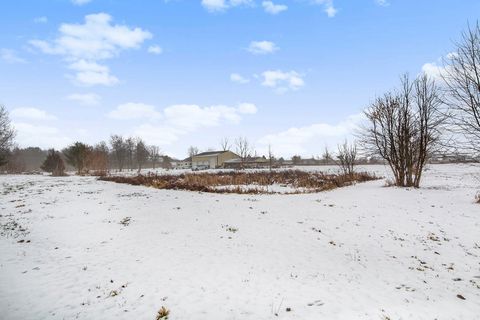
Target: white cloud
column 222, row 5
column 192, row 117
column 10, row 56
column 272, row 8
column 235, row 77
column 282, row 81
column 181, row 119
column 297, row 140
column 383, row 3
column 84, row 45
column 328, row 7
column 92, row 73
column 88, row 99
column 133, row 111
column 155, row 49
column 436, row 69
column 433, row 70
column 158, row 135
column 262, row 47
column 29, row 135
column 31, row 113
column 40, row 19
column 214, row 5
column 247, row 108
column 80, row 2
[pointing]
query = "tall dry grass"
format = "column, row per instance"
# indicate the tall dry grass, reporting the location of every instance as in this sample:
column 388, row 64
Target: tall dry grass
column 246, row 182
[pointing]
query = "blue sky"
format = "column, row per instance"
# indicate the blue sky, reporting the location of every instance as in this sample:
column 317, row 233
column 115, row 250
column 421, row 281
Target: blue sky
column 293, row 74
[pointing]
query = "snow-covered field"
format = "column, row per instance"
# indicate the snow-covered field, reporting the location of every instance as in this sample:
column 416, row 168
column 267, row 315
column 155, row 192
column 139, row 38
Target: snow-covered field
column 78, row 248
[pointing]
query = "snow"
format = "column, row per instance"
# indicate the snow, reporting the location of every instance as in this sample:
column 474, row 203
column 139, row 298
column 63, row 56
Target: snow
column 100, row 250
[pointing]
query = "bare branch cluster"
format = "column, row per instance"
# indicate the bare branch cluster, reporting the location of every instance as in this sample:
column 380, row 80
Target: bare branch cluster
column 347, row 157
column 462, row 77
column 7, row 134
column 405, row 127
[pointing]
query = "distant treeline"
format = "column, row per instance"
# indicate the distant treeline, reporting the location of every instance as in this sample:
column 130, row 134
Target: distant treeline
column 122, row 154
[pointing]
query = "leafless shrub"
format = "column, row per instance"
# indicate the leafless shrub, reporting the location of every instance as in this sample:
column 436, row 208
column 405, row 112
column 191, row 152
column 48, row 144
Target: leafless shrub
column 405, row 128
column 243, row 149
column 326, row 156
column 347, row 157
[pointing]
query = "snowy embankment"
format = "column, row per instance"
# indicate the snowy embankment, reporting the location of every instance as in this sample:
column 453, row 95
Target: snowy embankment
column 78, row 248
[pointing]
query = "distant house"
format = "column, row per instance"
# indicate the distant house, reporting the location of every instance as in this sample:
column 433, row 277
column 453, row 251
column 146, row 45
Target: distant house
column 455, row 157
column 250, row 162
column 184, row 164
column 212, row 159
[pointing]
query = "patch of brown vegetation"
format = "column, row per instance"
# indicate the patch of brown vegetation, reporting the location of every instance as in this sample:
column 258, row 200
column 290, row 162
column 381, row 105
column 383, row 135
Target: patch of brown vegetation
column 162, row 313
column 242, row 182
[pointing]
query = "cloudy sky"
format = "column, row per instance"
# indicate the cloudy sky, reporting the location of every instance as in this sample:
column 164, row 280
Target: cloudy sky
column 294, row 74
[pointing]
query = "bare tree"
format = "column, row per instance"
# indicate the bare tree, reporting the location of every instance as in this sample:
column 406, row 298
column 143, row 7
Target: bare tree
column 154, row 155
column 271, row 157
column 130, row 145
column 192, row 151
column 462, row 77
column 326, row 156
column 7, row 134
column 97, row 159
column 141, row 153
column 243, row 149
column 405, row 127
column 119, row 149
column 225, row 144
column 15, row 162
column 347, row 157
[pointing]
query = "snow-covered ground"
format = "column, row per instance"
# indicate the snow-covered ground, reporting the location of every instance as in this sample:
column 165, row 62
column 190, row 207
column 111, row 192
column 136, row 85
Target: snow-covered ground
column 78, row 248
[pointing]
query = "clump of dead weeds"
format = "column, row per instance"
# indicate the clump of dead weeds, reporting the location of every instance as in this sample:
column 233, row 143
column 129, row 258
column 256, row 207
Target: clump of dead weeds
column 242, row 182
column 162, row 314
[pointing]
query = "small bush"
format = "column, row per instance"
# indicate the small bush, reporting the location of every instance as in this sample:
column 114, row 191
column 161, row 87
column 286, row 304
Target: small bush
column 477, row 197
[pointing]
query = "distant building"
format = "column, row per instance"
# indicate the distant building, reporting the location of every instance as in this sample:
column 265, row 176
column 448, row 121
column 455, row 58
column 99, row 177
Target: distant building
column 212, row 159
column 184, row 164
column 455, row 157
column 298, row 161
column 250, row 162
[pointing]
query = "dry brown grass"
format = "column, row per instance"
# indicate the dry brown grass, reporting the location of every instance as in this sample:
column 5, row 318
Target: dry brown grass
column 246, row 182
column 162, row 313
